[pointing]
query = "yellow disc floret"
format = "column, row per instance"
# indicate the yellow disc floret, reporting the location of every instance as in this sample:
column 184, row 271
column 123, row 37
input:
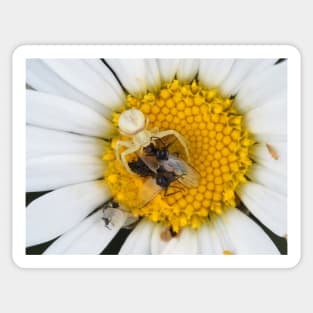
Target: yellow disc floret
column 218, row 145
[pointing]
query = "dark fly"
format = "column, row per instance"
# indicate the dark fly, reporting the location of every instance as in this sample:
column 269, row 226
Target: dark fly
column 163, row 178
column 157, row 156
column 164, row 168
column 159, row 179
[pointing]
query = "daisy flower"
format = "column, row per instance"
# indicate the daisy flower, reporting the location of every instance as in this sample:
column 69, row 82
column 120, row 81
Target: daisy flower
column 232, row 114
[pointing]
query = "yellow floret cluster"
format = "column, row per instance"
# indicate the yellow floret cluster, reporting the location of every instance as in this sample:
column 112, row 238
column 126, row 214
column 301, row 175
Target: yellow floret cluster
column 218, row 145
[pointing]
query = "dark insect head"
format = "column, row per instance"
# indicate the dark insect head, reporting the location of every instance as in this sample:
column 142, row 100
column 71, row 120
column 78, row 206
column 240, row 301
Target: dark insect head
column 165, row 178
column 162, row 154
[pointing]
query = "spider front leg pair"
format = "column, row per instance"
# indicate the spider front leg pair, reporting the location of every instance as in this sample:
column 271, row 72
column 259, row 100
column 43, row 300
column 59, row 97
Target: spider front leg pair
column 143, row 142
column 132, row 148
column 179, row 137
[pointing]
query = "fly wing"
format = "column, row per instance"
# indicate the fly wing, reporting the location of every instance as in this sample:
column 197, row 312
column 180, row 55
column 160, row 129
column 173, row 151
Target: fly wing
column 164, row 141
column 186, row 173
column 150, row 161
column 192, row 178
column 148, row 192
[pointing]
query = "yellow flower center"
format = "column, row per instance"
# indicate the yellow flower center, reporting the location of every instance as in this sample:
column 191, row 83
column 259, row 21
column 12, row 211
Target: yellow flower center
column 218, row 145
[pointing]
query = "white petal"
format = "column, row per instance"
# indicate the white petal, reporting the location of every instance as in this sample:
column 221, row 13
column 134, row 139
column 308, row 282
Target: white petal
column 213, row 71
column 261, row 88
column 270, row 137
column 84, row 78
column 138, row 242
column 261, row 155
column 42, row 141
column 208, row 240
column 42, row 78
column 157, row 244
column 240, row 70
column 170, row 246
column 64, row 242
column 89, row 237
column 131, row 219
column 58, row 113
column 247, row 236
column 153, row 77
column 266, row 177
column 185, row 243
column 268, row 119
column 225, row 240
column 58, row 211
column 268, row 206
column 261, row 66
column 168, row 69
column 137, row 75
column 51, row 172
column 98, row 66
column 187, row 69
column 131, row 73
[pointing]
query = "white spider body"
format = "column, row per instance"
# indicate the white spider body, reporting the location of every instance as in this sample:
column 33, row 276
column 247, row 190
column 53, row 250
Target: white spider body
column 132, row 123
column 143, row 138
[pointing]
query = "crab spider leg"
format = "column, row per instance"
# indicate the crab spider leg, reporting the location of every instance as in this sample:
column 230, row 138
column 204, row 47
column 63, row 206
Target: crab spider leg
column 130, row 150
column 154, row 137
column 119, row 144
column 179, row 137
column 147, row 122
column 154, row 130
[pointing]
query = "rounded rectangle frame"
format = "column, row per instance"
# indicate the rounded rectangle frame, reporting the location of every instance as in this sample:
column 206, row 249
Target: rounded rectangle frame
column 156, row 261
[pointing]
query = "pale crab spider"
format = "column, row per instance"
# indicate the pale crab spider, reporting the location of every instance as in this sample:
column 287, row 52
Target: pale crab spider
column 132, row 123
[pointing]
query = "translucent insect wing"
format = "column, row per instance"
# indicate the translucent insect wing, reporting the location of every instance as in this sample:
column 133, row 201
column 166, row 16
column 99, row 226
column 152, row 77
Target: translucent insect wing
column 174, row 164
column 189, row 176
column 148, row 192
column 113, row 215
column 150, row 161
column 192, row 178
column 108, row 213
column 164, row 141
